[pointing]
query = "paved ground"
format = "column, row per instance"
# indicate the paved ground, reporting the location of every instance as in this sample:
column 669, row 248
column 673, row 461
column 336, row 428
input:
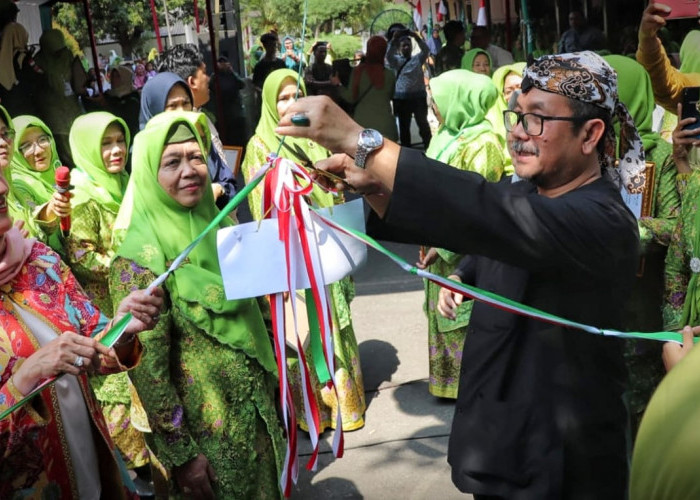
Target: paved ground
column 401, row 451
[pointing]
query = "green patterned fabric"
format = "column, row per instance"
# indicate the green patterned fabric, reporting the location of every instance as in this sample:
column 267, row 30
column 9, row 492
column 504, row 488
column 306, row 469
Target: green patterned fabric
column 202, row 396
column 36, row 187
column 482, row 154
column 90, row 177
column 463, row 98
column 152, row 229
column 351, row 397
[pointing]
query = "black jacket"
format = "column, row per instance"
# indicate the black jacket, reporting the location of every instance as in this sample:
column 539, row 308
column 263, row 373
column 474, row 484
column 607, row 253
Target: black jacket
column 539, row 413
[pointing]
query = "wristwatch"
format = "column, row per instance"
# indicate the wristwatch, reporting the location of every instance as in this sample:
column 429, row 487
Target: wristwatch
column 369, row 140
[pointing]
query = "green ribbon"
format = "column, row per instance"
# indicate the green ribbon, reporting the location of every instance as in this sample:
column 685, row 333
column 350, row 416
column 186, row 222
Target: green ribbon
column 109, row 339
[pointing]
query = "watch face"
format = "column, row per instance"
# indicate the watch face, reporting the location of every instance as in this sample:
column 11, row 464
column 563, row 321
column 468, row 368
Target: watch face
column 371, row 139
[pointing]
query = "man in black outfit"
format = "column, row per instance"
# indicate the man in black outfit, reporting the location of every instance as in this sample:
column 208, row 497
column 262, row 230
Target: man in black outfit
column 539, row 414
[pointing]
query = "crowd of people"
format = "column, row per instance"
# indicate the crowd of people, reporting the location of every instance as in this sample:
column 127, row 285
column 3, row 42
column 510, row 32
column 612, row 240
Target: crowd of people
column 519, row 188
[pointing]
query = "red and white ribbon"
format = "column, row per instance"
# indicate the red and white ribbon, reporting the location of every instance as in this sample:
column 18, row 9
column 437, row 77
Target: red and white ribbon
column 285, row 186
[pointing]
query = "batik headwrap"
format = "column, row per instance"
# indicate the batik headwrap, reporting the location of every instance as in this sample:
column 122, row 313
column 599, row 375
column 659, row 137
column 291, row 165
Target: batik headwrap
column 586, row 77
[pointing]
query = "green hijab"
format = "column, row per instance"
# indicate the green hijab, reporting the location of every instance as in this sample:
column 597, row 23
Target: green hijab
column 90, row 176
column 463, row 98
column 152, row 229
column 635, row 92
column 37, row 185
column 495, row 114
column 470, row 55
column 269, row 117
column 690, row 53
column 17, row 209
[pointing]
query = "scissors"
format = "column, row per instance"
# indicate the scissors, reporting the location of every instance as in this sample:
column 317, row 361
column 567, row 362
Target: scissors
column 306, row 162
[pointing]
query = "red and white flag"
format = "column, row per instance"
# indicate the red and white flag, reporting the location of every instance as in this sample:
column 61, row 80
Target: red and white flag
column 481, row 17
column 418, row 16
column 442, row 11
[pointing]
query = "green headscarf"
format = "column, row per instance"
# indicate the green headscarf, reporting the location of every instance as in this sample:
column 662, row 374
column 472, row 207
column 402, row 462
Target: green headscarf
column 17, row 209
column 269, row 117
column 463, row 98
column 37, row 185
column 470, row 55
column 90, row 176
column 635, row 92
column 690, row 53
column 495, row 114
column 153, row 229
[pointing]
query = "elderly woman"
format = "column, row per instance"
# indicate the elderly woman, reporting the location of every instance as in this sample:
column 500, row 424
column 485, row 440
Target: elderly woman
column 168, row 92
column 207, row 379
column 466, row 141
column 100, row 145
column 507, row 80
column 56, row 445
column 34, row 164
column 279, row 92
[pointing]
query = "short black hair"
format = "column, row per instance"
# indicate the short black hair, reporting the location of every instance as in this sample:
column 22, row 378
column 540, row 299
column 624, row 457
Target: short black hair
column 452, row 29
column 587, row 111
column 183, row 59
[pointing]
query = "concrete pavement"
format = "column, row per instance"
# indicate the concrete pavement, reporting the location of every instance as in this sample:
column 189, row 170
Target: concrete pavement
column 400, row 453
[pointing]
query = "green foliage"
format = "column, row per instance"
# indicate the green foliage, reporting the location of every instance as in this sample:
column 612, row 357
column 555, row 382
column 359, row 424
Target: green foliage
column 71, row 42
column 122, row 21
column 324, row 16
column 344, row 46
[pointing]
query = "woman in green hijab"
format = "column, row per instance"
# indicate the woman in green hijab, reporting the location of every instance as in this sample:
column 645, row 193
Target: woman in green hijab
column 208, row 375
column 279, row 91
column 478, row 61
column 100, row 143
column 507, row 80
column 33, row 170
column 16, row 206
column 643, row 311
column 464, row 140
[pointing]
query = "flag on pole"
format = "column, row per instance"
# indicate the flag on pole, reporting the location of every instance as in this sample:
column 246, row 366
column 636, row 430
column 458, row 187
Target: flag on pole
column 418, row 16
column 481, row 17
column 442, row 11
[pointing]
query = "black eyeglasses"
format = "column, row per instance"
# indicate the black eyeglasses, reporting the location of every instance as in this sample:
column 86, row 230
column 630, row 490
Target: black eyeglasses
column 533, row 124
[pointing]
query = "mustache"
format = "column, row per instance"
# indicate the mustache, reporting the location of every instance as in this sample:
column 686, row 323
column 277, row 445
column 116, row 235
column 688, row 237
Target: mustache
column 517, row 146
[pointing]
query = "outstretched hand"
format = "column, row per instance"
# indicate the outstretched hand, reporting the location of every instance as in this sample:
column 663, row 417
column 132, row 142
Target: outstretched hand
column 673, row 352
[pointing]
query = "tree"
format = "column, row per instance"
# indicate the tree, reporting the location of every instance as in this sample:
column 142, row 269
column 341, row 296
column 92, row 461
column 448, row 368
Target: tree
column 323, row 15
column 122, row 21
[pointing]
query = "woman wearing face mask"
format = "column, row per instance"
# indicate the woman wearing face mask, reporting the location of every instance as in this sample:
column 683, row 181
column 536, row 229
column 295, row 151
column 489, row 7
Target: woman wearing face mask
column 279, row 92
column 33, row 172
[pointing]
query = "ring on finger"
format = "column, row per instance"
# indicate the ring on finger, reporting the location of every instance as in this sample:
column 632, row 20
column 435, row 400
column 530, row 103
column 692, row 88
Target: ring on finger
column 79, row 361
